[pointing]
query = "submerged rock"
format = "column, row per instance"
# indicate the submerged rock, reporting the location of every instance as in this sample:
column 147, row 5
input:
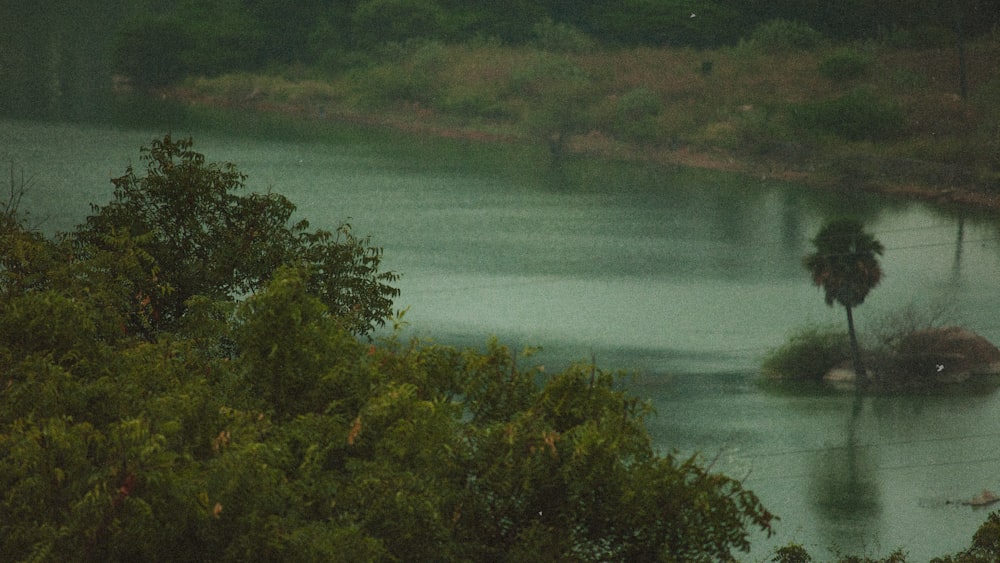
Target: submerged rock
column 982, row 499
column 931, row 356
column 944, row 355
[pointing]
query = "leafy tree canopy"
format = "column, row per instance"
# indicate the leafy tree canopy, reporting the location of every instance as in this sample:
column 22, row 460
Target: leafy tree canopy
column 845, row 263
column 262, row 428
column 200, row 236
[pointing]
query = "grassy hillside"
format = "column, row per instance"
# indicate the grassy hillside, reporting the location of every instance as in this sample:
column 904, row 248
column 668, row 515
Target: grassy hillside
column 863, row 115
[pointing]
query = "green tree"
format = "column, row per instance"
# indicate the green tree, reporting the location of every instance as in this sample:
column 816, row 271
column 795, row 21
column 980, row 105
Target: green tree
column 559, row 95
column 300, row 441
column 845, row 264
column 387, row 21
column 151, row 51
column 296, row 357
column 205, row 239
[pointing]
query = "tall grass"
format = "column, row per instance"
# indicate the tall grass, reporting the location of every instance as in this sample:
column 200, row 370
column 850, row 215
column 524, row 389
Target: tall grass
column 808, row 355
column 785, row 91
column 858, row 115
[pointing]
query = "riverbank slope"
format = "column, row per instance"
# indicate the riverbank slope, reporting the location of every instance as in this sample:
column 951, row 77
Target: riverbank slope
column 852, row 117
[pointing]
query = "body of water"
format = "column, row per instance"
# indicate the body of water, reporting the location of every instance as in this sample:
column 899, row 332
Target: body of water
column 686, row 278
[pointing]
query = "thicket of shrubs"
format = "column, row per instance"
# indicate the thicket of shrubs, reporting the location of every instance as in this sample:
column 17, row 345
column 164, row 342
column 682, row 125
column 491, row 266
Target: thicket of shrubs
column 858, row 115
column 808, row 355
column 844, row 65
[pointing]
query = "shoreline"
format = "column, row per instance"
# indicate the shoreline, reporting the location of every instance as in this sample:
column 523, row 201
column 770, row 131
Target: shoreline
column 961, row 189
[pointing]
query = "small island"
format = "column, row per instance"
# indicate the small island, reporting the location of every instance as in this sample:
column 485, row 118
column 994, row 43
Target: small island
column 912, row 351
column 924, row 359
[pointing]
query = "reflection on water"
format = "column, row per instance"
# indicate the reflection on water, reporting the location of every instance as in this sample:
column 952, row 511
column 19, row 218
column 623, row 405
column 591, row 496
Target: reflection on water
column 844, row 491
column 843, row 480
column 959, row 240
column 55, row 58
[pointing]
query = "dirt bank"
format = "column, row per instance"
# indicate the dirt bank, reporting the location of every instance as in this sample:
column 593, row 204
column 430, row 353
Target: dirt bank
column 937, row 183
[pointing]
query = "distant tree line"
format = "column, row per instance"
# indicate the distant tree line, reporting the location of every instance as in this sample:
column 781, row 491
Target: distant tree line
column 161, row 41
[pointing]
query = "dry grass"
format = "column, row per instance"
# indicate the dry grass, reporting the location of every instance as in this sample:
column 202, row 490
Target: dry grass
column 733, row 99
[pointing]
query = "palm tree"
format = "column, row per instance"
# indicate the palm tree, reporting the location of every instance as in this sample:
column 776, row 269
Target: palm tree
column 845, row 265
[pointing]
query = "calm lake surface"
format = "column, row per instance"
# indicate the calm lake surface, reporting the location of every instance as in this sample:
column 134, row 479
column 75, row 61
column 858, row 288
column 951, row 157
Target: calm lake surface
column 685, row 278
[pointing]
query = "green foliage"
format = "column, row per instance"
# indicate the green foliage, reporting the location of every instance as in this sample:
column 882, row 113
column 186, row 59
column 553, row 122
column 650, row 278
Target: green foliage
column 898, row 556
column 194, row 236
column 294, row 352
column 386, row 467
column 561, row 38
column 758, row 131
column 983, row 99
column 808, row 355
column 844, row 65
column 639, row 103
column 47, row 323
column 559, row 95
column 845, row 263
column 161, row 42
column 636, row 113
column 410, row 72
column 224, row 38
column 859, row 115
column 792, row 553
column 781, row 35
column 922, row 36
column 396, row 21
column 265, row 430
column 207, row 38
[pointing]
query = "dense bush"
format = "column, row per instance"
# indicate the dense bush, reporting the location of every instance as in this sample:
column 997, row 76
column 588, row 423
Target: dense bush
column 160, row 42
column 561, row 38
column 193, row 234
column 985, row 544
column 668, row 23
column 808, row 355
column 386, row 21
column 844, row 65
column 784, row 35
column 558, row 95
column 858, row 115
column 635, row 115
column 922, row 36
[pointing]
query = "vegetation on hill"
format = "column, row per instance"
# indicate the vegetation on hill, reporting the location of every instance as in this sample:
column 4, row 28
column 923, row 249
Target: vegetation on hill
column 160, row 39
column 784, row 101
